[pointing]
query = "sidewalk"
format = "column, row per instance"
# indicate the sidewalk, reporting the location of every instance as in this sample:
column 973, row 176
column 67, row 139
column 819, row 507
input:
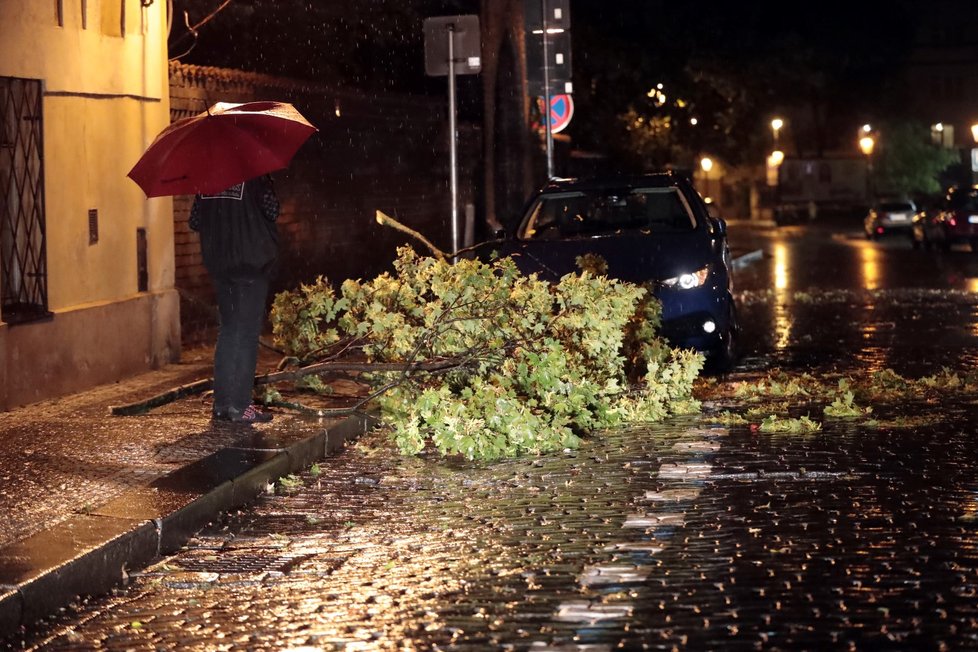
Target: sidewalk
column 88, row 497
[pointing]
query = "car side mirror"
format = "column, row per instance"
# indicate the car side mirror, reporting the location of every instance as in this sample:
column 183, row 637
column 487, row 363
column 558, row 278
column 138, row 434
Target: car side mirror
column 720, row 225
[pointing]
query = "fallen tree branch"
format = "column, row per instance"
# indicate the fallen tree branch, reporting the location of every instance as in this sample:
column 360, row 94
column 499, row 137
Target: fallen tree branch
column 386, row 220
column 201, row 386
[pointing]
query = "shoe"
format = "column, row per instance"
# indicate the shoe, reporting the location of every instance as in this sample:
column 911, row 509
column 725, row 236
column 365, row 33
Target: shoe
column 250, row 414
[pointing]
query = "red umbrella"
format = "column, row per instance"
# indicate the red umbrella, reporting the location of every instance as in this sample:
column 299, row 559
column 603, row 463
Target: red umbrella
column 225, row 145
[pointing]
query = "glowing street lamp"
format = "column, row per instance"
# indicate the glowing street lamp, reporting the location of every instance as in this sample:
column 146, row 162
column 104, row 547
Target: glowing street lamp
column 776, row 125
column 774, row 161
column 974, row 131
column 866, row 145
column 706, row 164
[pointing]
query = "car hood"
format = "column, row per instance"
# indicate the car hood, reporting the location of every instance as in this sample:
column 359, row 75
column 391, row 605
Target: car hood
column 634, row 257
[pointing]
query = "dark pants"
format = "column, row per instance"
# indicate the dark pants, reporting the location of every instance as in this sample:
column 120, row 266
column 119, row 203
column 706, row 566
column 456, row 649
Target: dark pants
column 241, row 302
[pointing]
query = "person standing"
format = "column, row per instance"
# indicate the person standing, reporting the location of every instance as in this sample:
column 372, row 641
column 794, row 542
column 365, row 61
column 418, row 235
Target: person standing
column 239, row 244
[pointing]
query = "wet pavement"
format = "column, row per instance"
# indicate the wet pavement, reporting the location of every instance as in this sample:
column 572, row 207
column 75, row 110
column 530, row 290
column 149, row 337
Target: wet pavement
column 684, row 535
column 88, row 497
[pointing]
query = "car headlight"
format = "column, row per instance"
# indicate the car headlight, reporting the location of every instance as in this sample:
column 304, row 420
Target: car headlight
column 689, row 280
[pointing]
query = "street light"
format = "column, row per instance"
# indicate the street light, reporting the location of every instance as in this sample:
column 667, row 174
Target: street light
column 974, row 132
column 776, row 125
column 706, row 164
column 866, row 145
column 774, row 161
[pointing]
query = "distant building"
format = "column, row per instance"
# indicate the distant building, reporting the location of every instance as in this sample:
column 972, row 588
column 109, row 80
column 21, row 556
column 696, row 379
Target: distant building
column 86, row 262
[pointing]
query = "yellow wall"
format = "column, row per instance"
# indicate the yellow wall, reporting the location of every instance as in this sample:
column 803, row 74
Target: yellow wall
column 105, row 97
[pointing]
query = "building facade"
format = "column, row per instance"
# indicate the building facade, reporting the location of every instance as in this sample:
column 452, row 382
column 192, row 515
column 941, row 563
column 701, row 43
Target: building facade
column 86, row 261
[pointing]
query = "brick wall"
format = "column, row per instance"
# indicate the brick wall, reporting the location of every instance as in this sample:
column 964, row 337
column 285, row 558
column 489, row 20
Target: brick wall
column 385, row 152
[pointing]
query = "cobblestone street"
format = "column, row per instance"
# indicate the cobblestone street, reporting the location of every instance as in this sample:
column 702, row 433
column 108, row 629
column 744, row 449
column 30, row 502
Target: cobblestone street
column 684, row 535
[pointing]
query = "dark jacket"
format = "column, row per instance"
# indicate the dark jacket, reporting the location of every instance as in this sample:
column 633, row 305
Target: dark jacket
column 237, row 229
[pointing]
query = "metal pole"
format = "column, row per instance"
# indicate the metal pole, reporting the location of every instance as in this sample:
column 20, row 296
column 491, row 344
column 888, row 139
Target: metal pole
column 453, row 145
column 546, row 92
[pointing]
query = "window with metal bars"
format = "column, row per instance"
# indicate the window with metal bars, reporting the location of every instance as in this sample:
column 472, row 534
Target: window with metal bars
column 23, row 264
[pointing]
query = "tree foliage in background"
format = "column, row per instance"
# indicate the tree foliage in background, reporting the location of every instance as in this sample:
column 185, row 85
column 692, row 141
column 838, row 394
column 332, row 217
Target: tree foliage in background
column 824, row 66
column 909, row 162
column 494, row 363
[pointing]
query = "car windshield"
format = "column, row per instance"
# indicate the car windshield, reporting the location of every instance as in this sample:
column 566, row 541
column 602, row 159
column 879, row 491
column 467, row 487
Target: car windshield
column 965, row 201
column 600, row 212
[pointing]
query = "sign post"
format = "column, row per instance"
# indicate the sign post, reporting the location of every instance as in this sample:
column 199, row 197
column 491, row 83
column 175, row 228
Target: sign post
column 452, row 46
column 550, row 20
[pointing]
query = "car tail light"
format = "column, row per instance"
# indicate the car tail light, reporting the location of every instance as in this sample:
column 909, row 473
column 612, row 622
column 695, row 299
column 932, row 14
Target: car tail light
column 879, row 229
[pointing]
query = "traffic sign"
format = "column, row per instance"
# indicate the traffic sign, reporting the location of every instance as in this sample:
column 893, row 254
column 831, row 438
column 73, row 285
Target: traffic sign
column 466, row 45
column 561, row 112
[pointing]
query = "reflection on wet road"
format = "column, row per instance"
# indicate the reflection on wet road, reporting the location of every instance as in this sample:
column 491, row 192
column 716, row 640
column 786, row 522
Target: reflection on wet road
column 686, row 535
column 823, row 297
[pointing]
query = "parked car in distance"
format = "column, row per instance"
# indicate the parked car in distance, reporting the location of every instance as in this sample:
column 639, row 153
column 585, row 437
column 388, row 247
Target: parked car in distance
column 889, row 216
column 954, row 220
column 653, row 229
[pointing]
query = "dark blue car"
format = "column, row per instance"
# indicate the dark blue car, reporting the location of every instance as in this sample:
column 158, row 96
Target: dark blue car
column 652, row 229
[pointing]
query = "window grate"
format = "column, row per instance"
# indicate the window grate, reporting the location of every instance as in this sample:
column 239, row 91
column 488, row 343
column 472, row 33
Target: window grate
column 142, row 261
column 23, row 265
column 92, row 226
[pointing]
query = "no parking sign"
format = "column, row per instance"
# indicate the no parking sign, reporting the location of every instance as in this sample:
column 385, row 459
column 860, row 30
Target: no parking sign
column 561, row 112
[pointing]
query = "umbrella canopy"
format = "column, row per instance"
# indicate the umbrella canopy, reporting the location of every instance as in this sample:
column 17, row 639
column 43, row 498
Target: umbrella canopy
column 225, row 145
